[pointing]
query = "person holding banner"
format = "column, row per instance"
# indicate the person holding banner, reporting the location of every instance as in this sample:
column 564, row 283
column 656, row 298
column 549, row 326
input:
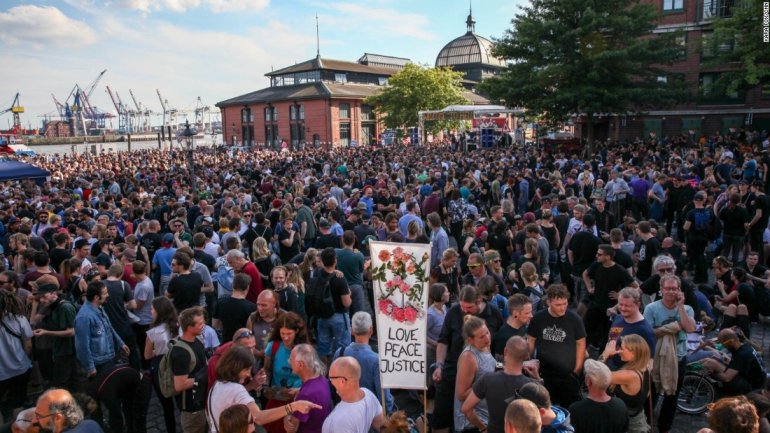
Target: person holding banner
column 368, row 359
column 475, row 361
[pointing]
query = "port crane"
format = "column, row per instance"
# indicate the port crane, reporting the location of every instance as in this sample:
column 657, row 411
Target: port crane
column 123, row 120
column 200, row 112
column 16, row 108
column 169, row 114
column 78, row 111
column 142, row 114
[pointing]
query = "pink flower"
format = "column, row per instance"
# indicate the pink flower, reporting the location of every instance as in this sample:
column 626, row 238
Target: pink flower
column 398, row 314
column 384, row 255
column 385, row 305
column 410, row 314
column 410, row 268
column 404, row 287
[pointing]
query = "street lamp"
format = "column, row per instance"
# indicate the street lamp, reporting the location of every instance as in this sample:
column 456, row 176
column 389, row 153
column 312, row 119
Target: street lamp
column 189, row 139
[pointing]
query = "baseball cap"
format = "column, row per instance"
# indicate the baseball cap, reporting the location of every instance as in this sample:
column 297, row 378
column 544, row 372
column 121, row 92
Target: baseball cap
column 208, row 219
column 323, row 223
column 699, row 197
column 168, row 238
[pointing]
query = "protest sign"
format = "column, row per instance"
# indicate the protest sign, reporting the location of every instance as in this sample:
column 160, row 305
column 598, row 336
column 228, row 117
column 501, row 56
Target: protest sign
column 400, row 275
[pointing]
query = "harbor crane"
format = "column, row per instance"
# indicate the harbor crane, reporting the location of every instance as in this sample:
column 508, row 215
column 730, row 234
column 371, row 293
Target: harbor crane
column 169, row 114
column 123, row 121
column 142, row 114
column 77, row 110
column 59, row 106
column 200, row 112
column 16, row 108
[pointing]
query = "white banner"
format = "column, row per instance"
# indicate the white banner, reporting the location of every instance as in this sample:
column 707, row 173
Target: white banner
column 401, row 276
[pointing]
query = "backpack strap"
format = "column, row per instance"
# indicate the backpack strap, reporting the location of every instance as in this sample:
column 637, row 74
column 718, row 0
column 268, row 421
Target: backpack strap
column 211, row 412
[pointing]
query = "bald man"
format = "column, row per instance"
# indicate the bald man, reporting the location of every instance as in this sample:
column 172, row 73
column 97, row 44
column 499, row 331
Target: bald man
column 56, row 411
column 359, row 409
column 24, row 421
column 746, row 371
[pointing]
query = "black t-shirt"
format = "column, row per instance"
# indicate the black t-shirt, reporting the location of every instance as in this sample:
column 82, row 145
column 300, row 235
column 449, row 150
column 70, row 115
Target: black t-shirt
column 191, row 400
column 606, row 280
column 452, row 335
column 201, row 256
column 185, row 290
column 761, row 202
column 286, row 253
column 556, row 340
column 583, row 246
column 502, row 336
column 496, row 388
column 57, row 256
column 749, row 365
column 623, row 259
column 339, row 287
column 233, row 313
column 119, row 293
column 588, row 416
column 733, row 220
column 326, row 241
column 151, row 242
column 648, row 250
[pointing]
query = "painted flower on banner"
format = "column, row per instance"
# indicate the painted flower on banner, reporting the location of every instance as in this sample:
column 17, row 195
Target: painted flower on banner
column 391, row 278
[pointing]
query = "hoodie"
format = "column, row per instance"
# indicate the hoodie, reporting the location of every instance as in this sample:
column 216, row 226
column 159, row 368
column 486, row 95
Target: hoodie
column 560, row 424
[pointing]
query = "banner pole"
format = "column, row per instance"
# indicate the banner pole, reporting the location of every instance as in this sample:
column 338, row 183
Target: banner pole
column 425, row 409
column 384, row 406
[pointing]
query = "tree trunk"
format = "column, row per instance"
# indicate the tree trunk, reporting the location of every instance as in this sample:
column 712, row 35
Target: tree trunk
column 589, row 149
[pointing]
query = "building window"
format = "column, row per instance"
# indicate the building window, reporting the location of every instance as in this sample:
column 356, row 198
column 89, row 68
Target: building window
column 344, row 111
column 271, row 114
column 681, row 42
column 345, row 134
column 765, row 91
column 340, row 78
column 367, row 113
column 246, row 116
column 717, row 9
column 673, row 5
column 296, row 125
column 383, row 81
column 711, row 91
column 271, row 126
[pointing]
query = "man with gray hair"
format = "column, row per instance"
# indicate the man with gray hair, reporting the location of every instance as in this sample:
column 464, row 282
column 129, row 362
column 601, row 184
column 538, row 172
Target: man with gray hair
column 241, row 265
column 599, row 411
column 361, row 329
column 306, row 364
column 57, row 411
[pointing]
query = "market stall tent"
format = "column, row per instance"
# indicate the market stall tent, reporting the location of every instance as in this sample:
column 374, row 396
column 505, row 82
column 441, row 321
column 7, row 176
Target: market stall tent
column 15, row 170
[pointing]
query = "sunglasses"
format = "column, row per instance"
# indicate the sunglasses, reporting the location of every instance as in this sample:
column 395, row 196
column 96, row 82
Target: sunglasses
column 474, row 265
column 244, row 334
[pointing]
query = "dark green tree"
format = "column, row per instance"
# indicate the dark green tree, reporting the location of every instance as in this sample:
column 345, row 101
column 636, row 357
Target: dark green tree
column 737, row 42
column 586, row 57
column 416, row 88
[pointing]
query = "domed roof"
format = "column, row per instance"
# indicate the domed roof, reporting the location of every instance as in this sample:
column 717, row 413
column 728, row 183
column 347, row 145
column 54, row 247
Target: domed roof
column 467, row 49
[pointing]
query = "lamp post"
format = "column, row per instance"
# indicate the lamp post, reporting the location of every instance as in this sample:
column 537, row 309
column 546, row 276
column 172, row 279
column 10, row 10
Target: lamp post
column 189, row 139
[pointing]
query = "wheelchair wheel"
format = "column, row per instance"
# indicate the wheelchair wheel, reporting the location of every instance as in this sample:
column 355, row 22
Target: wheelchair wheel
column 696, row 394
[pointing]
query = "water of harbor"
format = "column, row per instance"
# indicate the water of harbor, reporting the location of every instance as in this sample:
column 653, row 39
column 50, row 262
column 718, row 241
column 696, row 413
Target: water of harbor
column 51, row 149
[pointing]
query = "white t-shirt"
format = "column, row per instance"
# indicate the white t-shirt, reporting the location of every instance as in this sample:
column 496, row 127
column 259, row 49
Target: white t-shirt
column 224, row 395
column 160, row 337
column 353, row 417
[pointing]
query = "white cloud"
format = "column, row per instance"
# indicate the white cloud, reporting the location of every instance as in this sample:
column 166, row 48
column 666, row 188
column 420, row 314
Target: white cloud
column 148, row 6
column 43, row 26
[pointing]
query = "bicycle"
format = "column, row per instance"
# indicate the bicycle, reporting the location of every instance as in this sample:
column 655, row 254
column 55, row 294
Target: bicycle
column 698, row 390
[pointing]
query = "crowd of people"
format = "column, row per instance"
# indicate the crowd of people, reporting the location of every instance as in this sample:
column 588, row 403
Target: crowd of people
column 562, row 288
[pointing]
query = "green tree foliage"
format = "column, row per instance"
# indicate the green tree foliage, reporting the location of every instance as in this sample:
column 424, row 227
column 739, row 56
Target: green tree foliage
column 416, row 88
column 585, row 56
column 737, row 40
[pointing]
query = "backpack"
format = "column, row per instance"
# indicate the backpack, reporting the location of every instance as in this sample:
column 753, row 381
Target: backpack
column 706, row 223
column 166, row 374
column 319, row 297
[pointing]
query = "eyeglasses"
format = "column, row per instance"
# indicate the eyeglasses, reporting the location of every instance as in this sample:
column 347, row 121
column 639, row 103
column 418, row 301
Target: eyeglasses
column 497, row 261
column 337, row 377
column 248, row 215
column 38, row 416
column 5, row 281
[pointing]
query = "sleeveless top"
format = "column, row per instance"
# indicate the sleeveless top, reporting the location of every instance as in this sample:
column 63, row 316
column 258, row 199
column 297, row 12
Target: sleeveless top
column 635, row 403
column 486, row 363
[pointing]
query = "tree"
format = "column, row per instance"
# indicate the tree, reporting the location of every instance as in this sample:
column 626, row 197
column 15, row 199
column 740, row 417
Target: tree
column 737, row 41
column 416, row 88
column 585, row 57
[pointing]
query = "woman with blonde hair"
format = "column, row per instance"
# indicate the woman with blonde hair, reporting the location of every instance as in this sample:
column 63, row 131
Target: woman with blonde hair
column 632, row 381
column 530, row 284
column 294, row 278
column 475, row 360
column 263, row 259
column 307, row 265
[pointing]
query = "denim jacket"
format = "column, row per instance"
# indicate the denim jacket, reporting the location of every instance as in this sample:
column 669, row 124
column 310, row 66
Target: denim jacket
column 95, row 340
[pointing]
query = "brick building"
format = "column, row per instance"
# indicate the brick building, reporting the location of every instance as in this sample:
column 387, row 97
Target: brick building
column 709, row 111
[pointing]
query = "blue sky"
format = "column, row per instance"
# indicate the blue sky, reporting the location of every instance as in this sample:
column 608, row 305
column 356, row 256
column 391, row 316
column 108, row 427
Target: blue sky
column 215, row 49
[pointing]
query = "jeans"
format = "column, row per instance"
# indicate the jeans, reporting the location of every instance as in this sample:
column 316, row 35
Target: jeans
column 333, row 333
column 359, row 300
